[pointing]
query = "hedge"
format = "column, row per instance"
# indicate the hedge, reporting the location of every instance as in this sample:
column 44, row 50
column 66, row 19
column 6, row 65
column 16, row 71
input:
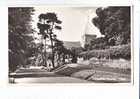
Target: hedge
column 114, row 52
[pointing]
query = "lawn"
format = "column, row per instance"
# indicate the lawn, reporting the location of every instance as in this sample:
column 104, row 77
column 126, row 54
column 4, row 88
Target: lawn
column 108, row 71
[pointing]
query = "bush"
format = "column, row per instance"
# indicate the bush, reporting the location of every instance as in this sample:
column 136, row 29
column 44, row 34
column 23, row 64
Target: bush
column 115, row 52
column 123, row 51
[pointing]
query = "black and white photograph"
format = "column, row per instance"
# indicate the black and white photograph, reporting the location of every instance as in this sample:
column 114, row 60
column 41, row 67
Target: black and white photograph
column 48, row 44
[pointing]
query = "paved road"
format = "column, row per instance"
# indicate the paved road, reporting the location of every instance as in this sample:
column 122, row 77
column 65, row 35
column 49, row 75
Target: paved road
column 50, row 80
column 42, row 76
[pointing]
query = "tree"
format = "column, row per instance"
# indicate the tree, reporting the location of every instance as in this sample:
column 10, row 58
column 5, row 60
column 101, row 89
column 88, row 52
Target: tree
column 37, row 55
column 74, row 54
column 47, row 24
column 114, row 23
column 60, row 51
column 98, row 43
column 19, row 33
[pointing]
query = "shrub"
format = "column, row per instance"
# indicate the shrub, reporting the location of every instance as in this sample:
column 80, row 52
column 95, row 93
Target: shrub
column 115, row 52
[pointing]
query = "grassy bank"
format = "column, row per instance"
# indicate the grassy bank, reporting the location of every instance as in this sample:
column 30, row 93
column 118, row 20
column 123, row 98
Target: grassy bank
column 114, row 52
column 100, row 70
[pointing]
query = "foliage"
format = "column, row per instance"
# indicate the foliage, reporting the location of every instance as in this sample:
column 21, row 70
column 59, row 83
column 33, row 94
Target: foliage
column 114, row 23
column 37, row 55
column 59, row 47
column 115, row 52
column 60, row 52
column 98, row 43
column 20, row 38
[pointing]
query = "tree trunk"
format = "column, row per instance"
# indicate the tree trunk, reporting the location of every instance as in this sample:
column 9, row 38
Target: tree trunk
column 52, row 50
column 45, row 55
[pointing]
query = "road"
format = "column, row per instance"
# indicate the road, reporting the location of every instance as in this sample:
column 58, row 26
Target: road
column 49, row 80
column 41, row 76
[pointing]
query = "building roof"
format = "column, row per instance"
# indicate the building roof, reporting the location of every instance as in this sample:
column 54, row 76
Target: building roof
column 90, row 35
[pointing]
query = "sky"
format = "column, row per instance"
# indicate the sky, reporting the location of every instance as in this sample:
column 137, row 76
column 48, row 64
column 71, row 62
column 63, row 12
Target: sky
column 76, row 21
